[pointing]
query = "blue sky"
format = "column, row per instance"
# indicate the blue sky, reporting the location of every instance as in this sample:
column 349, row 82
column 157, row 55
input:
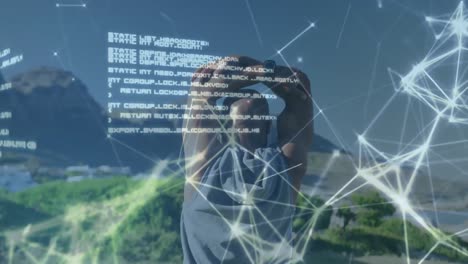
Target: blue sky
column 346, row 56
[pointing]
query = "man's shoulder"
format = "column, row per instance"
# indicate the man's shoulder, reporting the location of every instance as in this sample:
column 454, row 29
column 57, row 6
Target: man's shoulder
column 268, row 151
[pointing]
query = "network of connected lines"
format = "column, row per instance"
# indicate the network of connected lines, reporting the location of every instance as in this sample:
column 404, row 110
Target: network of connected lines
column 374, row 168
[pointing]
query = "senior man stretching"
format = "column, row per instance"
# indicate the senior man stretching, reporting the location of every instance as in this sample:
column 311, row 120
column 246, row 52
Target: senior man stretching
column 240, row 192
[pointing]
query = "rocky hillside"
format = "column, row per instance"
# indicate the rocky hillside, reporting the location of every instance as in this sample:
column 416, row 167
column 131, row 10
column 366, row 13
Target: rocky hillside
column 54, row 108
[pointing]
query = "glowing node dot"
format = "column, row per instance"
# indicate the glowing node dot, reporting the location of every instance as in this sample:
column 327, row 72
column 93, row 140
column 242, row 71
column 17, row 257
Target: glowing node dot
column 336, row 153
column 361, row 139
column 379, row 3
column 459, row 26
column 425, row 147
column 300, row 59
column 396, row 168
column 190, row 180
column 419, row 68
column 236, row 230
column 452, row 103
column 405, row 82
column 55, row 53
column 27, row 230
column 403, row 203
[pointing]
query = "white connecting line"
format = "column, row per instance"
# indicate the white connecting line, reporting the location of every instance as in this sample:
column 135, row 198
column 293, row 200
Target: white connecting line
column 80, row 5
column 447, row 100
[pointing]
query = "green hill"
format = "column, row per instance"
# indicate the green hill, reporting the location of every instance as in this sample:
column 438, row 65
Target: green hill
column 100, row 220
column 14, row 215
column 121, row 220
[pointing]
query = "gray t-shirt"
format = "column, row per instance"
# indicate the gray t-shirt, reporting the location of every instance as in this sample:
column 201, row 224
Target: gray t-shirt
column 242, row 211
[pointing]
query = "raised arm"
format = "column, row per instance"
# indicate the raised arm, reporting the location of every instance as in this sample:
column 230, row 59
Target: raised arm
column 208, row 85
column 295, row 123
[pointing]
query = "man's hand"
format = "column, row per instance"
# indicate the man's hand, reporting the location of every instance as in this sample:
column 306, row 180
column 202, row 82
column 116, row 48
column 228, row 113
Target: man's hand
column 295, row 123
column 202, row 148
column 294, row 85
column 295, row 126
column 236, row 72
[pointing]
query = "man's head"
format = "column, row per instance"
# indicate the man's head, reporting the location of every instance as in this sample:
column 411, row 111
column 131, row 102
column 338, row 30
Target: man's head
column 239, row 109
